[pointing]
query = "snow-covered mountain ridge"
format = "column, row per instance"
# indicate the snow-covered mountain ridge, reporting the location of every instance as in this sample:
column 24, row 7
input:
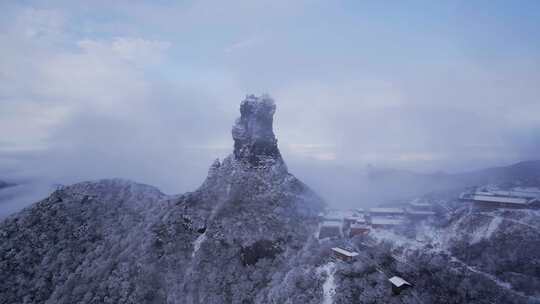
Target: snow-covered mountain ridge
column 115, row 241
column 248, row 235
column 498, row 249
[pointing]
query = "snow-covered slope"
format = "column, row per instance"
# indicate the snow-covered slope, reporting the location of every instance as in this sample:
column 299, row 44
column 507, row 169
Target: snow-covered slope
column 494, row 256
column 116, row 241
column 502, row 243
column 247, row 235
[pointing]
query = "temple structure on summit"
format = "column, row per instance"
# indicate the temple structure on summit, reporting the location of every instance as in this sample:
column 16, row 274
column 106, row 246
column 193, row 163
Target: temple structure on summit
column 492, row 199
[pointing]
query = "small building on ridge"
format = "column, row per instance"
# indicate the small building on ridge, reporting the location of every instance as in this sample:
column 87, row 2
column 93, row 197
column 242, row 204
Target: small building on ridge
column 330, row 229
column 398, row 284
column 359, row 229
column 344, row 254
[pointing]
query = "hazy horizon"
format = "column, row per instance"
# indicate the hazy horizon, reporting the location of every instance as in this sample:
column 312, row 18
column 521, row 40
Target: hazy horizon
column 149, row 90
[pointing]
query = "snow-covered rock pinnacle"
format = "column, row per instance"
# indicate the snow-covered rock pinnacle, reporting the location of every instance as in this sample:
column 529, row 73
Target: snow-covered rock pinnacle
column 254, row 139
column 232, row 240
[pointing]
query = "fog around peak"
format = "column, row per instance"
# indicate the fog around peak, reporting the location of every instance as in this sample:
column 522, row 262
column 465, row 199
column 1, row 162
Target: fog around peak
column 149, row 91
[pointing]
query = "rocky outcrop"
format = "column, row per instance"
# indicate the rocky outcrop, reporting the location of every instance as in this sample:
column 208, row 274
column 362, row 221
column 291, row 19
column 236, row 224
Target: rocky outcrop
column 254, row 139
column 114, row 241
column 257, row 214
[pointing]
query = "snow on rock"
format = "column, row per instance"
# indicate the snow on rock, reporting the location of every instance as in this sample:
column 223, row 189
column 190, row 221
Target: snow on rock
column 398, row 240
column 115, row 190
column 502, row 284
column 254, row 139
column 197, row 243
column 486, row 231
column 329, row 285
column 116, row 241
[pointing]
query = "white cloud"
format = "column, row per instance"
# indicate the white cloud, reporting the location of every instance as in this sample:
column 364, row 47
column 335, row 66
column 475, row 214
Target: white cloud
column 146, row 90
column 244, row 44
column 75, row 107
column 27, row 126
column 320, row 152
column 40, row 23
column 135, row 50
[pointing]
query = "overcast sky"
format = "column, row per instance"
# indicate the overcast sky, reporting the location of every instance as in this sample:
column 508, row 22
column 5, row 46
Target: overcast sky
column 148, row 90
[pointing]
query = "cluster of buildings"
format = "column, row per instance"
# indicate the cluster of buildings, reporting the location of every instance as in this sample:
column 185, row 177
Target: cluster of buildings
column 348, row 223
column 489, row 197
column 346, row 255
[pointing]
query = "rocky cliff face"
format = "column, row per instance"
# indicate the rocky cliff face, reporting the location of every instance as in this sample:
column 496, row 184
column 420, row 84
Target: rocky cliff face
column 114, row 241
column 254, row 139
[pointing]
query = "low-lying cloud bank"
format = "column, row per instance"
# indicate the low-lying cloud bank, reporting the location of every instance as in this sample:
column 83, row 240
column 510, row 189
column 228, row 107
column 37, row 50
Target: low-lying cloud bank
column 92, row 91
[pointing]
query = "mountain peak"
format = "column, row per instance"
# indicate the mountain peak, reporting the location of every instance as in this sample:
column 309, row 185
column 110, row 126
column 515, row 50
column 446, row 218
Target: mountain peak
column 253, row 134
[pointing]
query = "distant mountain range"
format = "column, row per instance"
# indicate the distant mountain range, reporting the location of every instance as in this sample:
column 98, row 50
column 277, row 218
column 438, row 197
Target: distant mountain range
column 374, row 186
column 522, row 173
column 4, row 184
column 525, row 172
